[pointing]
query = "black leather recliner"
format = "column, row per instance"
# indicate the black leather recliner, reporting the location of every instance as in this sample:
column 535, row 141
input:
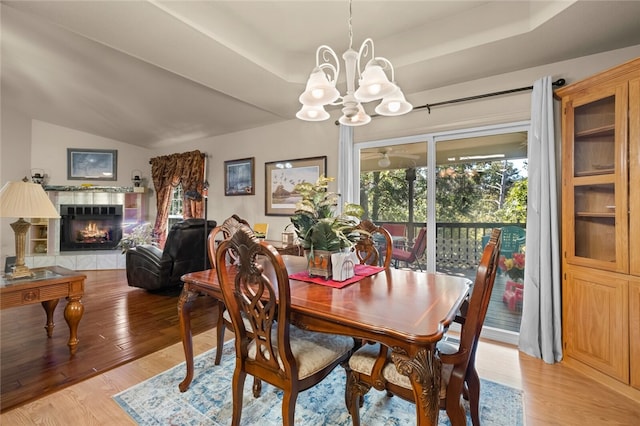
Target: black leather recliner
column 153, row 269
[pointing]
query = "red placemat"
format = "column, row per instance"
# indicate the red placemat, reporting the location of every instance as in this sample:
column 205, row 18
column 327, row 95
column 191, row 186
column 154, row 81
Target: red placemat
column 361, row 271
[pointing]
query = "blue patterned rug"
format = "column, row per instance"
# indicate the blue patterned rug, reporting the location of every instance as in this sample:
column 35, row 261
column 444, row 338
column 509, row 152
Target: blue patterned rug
column 157, row 401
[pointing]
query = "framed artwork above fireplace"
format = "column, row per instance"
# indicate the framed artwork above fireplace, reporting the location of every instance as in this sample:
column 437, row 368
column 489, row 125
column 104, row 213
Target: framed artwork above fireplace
column 92, row 164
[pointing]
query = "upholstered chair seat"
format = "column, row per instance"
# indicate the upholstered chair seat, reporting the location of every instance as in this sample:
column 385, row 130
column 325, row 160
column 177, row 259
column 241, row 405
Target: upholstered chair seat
column 312, row 351
column 363, row 360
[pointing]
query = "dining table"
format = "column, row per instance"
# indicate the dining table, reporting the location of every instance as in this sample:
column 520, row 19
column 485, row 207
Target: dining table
column 406, row 310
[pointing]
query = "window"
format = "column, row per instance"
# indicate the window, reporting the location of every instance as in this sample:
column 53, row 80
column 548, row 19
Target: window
column 175, row 207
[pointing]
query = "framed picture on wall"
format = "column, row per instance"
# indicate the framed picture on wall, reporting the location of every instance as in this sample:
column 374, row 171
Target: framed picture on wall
column 239, row 177
column 92, row 164
column 282, row 176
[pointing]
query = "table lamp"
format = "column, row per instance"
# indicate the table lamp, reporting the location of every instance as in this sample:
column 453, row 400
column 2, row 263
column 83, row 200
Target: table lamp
column 24, row 200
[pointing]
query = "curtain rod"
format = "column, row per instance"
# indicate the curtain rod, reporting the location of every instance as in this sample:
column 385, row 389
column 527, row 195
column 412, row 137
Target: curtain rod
column 559, row 83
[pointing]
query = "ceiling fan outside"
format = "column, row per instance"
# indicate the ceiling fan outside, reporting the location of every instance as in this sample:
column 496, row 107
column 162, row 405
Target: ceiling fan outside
column 384, row 156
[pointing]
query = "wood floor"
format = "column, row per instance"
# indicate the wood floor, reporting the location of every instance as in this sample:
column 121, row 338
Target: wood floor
column 553, row 394
column 120, row 324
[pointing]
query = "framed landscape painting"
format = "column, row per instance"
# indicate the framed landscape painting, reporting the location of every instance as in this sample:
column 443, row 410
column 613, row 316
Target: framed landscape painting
column 239, row 177
column 92, row 164
column 282, row 176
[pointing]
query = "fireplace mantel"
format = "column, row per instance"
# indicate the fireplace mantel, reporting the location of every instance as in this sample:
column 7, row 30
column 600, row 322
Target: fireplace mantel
column 88, row 188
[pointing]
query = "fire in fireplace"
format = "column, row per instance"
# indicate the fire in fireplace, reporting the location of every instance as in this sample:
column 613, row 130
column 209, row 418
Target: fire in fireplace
column 90, row 227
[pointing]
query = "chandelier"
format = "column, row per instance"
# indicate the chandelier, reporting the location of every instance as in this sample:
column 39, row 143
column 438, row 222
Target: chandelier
column 373, row 84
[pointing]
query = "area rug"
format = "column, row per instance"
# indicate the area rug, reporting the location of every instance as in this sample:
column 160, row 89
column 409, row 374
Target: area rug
column 157, row 401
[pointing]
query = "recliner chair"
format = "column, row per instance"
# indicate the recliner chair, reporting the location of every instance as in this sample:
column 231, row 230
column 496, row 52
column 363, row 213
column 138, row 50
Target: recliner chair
column 153, row 269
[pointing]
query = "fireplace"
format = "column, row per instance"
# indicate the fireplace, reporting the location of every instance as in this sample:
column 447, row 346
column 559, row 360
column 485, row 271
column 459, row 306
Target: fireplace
column 90, row 227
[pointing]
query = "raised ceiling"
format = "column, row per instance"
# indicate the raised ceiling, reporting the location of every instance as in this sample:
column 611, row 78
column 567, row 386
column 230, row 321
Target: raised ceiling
column 153, row 73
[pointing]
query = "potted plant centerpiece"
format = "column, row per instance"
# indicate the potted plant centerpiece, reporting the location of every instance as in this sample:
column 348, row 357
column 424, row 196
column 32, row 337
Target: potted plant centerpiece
column 320, row 230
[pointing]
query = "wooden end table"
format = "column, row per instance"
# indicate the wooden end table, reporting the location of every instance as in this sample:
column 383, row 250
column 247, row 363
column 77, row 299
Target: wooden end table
column 47, row 286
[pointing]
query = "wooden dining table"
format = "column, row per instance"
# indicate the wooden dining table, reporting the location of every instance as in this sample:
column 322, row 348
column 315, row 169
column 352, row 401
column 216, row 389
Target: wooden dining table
column 406, row 310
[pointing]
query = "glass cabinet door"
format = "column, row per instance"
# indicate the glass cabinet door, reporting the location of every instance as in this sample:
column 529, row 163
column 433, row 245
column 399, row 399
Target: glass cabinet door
column 597, row 183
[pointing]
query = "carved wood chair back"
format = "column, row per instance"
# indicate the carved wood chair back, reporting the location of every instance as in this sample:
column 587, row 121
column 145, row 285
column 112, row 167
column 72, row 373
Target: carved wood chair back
column 222, row 232
column 257, row 295
column 218, row 234
column 369, row 246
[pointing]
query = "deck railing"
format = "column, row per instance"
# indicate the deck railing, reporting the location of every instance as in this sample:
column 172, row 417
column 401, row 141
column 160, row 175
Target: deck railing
column 458, row 245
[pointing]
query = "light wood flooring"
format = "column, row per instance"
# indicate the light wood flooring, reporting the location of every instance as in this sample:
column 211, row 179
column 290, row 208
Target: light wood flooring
column 553, row 394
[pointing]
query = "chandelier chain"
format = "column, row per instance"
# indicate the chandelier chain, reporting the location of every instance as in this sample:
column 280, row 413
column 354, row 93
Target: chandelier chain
column 350, row 27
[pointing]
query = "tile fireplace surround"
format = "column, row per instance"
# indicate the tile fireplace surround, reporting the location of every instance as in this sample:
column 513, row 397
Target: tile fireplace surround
column 85, row 259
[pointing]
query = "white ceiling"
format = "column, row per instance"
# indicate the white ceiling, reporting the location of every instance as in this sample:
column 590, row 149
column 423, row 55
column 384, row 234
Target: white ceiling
column 152, row 73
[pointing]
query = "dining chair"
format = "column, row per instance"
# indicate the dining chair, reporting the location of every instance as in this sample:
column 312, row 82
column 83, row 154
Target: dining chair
column 399, row 231
column 256, row 290
column 371, row 365
column 367, row 246
column 414, row 254
column 217, row 234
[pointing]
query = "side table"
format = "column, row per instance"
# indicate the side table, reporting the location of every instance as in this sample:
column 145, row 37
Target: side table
column 47, row 286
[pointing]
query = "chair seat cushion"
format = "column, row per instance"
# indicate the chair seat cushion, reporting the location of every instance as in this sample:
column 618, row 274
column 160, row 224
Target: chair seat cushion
column 363, row 359
column 401, row 255
column 312, row 351
column 227, row 318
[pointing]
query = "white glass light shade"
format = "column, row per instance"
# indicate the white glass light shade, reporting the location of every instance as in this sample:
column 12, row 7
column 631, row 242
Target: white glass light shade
column 384, row 161
column 373, row 84
column 319, row 90
column 394, row 104
column 312, row 113
column 359, row 119
column 26, row 200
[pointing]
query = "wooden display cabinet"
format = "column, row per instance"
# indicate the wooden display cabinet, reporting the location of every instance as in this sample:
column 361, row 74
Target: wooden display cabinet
column 600, row 226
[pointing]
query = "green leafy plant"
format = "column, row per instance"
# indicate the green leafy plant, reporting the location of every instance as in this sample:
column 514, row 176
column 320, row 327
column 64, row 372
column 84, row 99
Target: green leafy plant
column 315, row 220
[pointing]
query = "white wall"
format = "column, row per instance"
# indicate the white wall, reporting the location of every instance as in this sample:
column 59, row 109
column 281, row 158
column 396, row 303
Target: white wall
column 15, row 151
column 297, row 139
column 49, row 145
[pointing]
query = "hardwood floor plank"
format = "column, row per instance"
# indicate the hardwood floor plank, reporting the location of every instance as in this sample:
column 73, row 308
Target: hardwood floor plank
column 120, row 324
column 553, row 394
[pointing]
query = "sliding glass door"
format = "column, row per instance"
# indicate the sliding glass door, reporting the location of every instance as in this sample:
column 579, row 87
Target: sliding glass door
column 458, row 185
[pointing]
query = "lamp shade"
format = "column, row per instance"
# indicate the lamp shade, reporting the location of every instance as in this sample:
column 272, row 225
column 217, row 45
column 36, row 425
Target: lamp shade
column 373, row 84
column 384, row 161
column 312, row 113
column 26, row 200
column 394, row 104
column 319, row 90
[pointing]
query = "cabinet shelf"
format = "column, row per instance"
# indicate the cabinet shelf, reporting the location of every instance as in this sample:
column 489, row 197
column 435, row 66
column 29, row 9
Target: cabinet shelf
column 595, row 172
column 607, row 130
column 591, row 214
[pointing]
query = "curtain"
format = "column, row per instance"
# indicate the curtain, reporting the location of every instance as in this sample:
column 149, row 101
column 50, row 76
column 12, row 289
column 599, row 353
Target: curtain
column 167, row 172
column 540, row 330
column 346, row 184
